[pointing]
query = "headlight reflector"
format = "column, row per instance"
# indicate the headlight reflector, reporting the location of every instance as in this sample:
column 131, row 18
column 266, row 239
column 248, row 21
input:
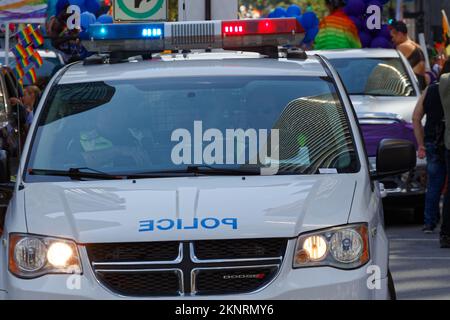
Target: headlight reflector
column 316, row 247
column 34, row 256
column 344, row 247
column 59, row 254
column 29, row 254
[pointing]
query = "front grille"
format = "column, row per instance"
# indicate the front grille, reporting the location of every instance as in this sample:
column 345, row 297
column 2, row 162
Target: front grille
column 142, row 283
column 241, row 280
column 239, row 249
column 125, row 252
column 207, row 267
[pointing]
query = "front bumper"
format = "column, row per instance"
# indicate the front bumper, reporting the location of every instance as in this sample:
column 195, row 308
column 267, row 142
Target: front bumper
column 290, row 284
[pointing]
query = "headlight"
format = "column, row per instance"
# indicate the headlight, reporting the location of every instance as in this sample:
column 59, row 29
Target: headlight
column 342, row 247
column 34, row 256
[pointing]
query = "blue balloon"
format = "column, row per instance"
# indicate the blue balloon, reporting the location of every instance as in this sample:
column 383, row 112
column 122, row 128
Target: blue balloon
column 279, row 12
column 309, row 20
column 271, row 15
column 105, row 19
column 311, row 35
column 79, row 3
column 86, row 19
column 92, row 6
column 293, row 11
column 60, row 5
column 83, row 35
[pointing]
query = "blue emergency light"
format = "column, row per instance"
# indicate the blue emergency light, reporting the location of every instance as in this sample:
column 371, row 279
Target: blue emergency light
column 126, row 31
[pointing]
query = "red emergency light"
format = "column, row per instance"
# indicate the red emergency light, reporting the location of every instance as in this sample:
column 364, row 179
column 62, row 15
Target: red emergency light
column 261, row 27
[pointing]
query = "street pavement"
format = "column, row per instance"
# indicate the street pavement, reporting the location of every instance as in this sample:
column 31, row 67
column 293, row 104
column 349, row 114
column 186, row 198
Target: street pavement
column 420, row 268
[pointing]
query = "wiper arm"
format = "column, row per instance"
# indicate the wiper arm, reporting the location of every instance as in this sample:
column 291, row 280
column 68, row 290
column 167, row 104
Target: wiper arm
column 76, row 174
column 205, row 170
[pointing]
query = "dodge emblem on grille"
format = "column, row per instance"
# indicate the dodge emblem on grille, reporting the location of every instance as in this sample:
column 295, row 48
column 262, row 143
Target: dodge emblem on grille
column 244, row 276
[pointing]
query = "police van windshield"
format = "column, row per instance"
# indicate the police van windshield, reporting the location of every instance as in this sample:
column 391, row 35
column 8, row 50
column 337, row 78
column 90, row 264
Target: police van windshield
column 375, row 76
column 296, row 124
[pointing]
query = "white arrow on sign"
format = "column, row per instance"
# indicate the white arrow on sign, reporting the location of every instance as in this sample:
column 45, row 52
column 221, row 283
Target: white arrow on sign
column 140, row 10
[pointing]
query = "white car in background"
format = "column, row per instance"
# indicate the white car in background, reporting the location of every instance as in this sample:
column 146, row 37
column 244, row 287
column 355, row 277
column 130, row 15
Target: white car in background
column 384, row 92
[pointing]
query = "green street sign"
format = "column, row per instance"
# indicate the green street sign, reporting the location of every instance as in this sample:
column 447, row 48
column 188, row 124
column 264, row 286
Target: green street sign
column 140, row 10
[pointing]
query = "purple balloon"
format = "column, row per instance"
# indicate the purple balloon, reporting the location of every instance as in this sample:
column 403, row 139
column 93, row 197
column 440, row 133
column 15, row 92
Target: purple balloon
column 376, row 3
column 355, row 7
column 380, row 42
column 366, row 39
column 385, row 32
column 357, row 21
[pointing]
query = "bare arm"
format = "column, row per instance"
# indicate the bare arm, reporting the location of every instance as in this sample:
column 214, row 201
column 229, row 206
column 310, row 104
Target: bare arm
column 419, row 113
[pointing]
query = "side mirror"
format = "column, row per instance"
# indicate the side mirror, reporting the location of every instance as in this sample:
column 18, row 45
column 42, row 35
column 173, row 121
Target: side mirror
column 394, row 157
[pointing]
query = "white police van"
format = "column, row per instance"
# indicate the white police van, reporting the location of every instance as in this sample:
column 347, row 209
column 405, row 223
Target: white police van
column 197, row 175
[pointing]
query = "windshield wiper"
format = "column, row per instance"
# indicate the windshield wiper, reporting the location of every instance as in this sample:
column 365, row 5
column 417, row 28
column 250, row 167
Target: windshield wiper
column 206, row 170
column 88, row 173
column 76, row 174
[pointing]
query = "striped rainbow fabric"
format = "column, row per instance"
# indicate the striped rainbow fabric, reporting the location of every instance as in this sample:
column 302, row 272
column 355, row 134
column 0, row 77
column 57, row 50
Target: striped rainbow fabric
column 337, row 31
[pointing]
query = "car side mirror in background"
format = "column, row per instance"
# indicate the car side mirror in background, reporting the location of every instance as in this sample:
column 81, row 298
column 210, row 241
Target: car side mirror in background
column 394, row 157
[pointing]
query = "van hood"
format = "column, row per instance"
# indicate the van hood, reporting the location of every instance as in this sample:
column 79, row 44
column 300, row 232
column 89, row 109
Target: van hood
column 401, row 106
column 167, row 209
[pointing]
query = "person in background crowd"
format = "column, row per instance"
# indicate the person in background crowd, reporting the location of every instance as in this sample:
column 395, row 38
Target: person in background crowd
column 65, row 40
column 411, row 50
column 432, row 75
column 444, row 90
column 31, row 96
column 431, row 146
column 26, row 107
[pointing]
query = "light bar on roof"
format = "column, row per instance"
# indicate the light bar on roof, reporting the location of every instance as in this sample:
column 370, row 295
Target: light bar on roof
column 157, row 37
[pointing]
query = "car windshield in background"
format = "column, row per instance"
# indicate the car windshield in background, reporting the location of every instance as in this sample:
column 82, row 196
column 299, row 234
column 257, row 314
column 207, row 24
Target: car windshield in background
column 164, row 125
column 373, row 76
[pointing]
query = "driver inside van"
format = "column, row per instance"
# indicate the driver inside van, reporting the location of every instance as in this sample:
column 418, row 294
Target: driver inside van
column 110, row 145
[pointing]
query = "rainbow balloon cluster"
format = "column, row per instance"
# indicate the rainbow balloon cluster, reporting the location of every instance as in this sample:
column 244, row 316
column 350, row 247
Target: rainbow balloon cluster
column 308, row 20
column 89, row 13
column 357, row 12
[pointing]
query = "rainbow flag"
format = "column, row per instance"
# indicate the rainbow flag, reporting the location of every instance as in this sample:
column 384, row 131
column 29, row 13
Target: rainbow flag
column 37, row 59
column 29, row 51
column 36, row 37
column 20, row 87
column 18, row 71
column 24, row 36
column 24, row 63
column 337, row 31
column 20, row 52
column 31, row 74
